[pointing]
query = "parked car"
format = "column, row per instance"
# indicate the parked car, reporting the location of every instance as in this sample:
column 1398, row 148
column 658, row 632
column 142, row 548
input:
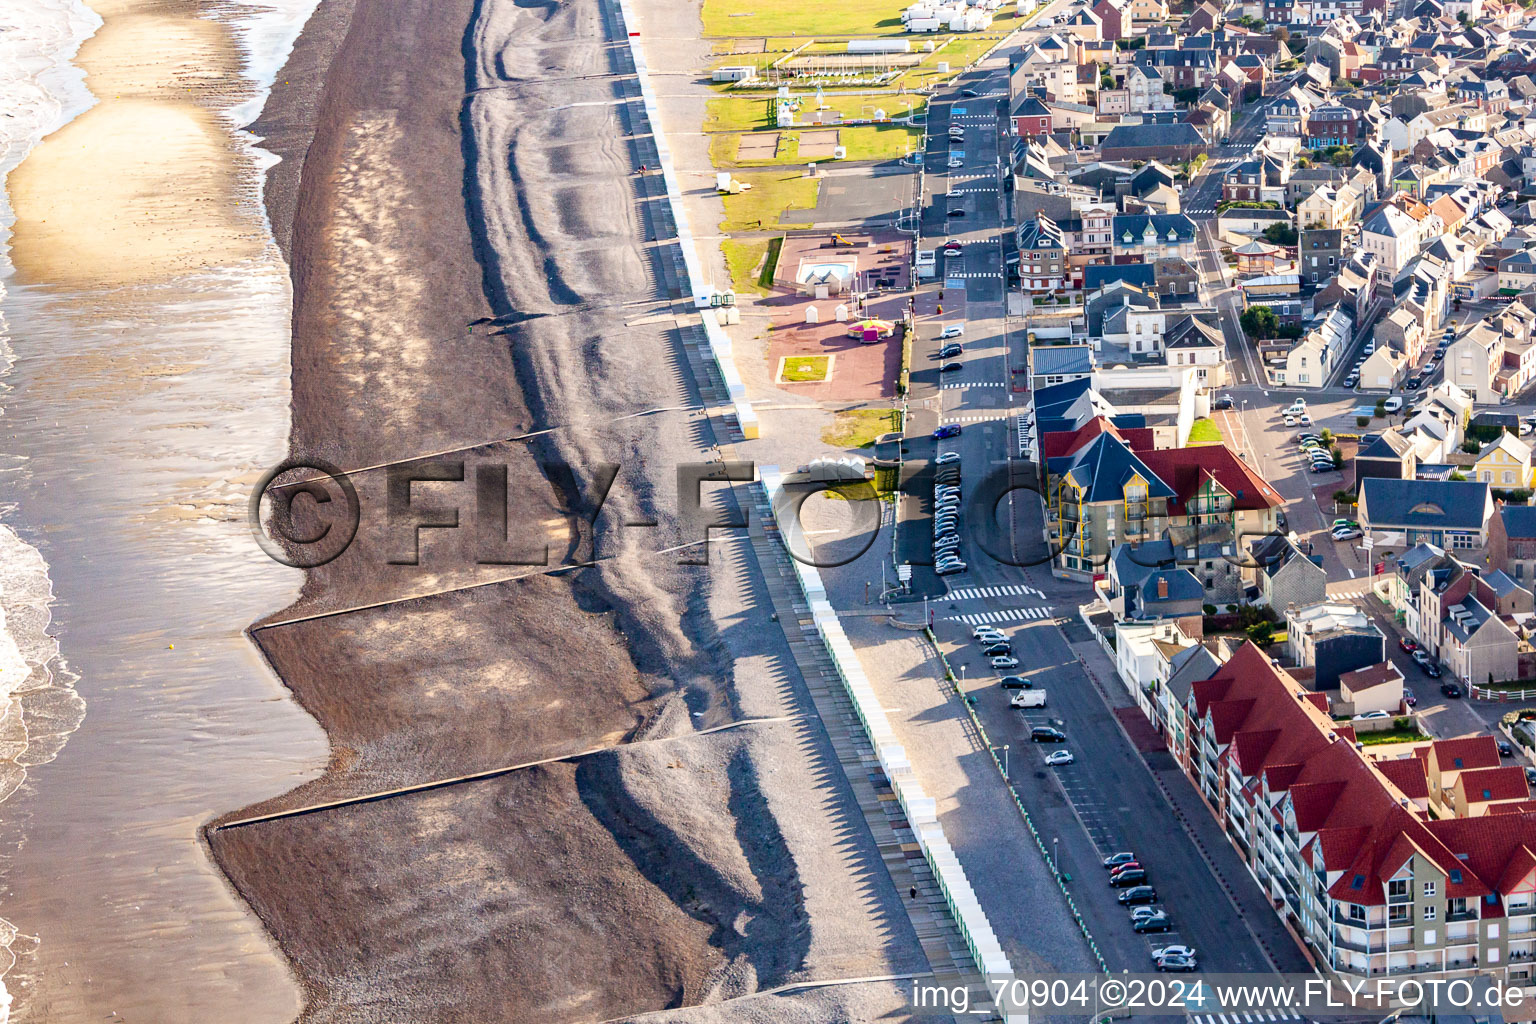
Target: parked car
column 1222, row 402
column 947, row 458
column 951, row 367
column 1530, row 776
column 1421, row 656
column 1290, row 420
column 1139, row 912
column 1352, row 380
column 1057, row 758
column 1137, row 894
column 1125, row 879
column 1414, row 383
column 1005, row 662
column 1409, row 699
column 951, row 350
column 949, row 568
column 1505, row 750
column 984, row 631
column 1130, row 865
column 1432, row 670
column 1177, row 963
column 1158, row 921
column 1304, row 420
column 954, row 162
column 1016, row 683
column 1345, row 532
column 969, row 93
column 998, row 650
column 1177, row 949
column 1370, row 715
column 1392, row 404
column 1047, row 734
column 951, row 247
column 1297, row 405
column 1450, row 690
column 1407, row 644
column 947, row 430
column 1114, row 860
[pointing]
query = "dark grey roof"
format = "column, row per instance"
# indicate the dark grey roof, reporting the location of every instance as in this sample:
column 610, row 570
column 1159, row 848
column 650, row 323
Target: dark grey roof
column 1390, row 445
column 1151, row 136
column 1062, row 358
column 1519, row 521
column 1424, row 504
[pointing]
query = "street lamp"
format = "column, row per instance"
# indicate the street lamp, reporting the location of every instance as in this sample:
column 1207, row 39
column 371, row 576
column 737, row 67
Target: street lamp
column 1055, row 855
column 1005, row 760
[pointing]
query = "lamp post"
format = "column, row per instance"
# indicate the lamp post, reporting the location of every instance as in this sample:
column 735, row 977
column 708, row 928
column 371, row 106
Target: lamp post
column 1055, row 855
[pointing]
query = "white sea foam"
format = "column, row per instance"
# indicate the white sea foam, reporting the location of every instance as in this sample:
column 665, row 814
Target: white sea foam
column 40, row 90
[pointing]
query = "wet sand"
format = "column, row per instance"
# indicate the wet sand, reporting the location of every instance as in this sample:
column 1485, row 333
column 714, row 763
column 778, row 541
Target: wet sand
column 675, row 868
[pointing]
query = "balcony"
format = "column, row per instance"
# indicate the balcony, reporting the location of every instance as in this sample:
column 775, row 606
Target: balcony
column 1465, row 915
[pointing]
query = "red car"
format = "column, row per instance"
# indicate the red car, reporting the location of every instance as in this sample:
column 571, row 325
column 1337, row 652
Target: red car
column 1407, row 644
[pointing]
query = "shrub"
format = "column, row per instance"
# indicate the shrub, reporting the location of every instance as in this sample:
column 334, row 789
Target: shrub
column 1362, row 421
column 1209, row 609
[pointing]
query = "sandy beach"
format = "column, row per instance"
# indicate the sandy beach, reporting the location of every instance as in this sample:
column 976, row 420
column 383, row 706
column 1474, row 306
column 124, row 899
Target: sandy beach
column 678, row 866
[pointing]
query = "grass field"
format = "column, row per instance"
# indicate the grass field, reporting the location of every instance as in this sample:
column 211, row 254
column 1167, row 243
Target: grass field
column 864, row 142
column 801, row 369
column 773, row 192
column 746, row 113
column 802, row 17
column 858, row 428
column 751, row 262
column 1205, row 431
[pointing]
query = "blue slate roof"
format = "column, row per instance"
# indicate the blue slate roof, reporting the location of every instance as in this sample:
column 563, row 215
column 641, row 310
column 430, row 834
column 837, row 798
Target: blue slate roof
column 1142, row 275
column 1182, row 228
column 1051, row 401
column 1103, row 467
column 1062, row 358
column 1424, row 504
column 1182, row 586
column 1520, row 521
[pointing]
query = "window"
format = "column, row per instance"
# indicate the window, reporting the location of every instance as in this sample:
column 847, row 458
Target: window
column 1397, row 887
column 1429, row 914
column 1429, row 890
column 1356, row 911
column 1401, row 913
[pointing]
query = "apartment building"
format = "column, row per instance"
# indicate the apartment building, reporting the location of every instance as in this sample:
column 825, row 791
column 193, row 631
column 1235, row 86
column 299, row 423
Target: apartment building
column 1344, row 844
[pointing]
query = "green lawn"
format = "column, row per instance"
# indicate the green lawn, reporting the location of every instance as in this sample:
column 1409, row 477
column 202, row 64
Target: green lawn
column 742, row 113
column 1205, row 431
column 805, row 368
column 864, row 142
column 742, row 258
column 1371, row 739
column 858, row 428
column 802, row 18
column 772, row 193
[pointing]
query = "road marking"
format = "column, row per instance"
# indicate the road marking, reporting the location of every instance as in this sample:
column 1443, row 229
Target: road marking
column 1011, row 615
column 1017, row 590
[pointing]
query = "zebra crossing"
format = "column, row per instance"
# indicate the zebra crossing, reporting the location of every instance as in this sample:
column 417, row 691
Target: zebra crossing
column 1248, row 1017
column 971, row 275
column 975, row 384
column 1007, row 615
column 1017, row 590
column 975, row 418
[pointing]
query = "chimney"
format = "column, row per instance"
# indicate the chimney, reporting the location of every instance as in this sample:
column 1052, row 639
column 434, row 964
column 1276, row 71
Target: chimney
column 1162, row 586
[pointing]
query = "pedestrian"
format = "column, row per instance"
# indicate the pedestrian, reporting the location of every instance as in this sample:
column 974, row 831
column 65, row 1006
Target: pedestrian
column 914, row 892
column 941, row 310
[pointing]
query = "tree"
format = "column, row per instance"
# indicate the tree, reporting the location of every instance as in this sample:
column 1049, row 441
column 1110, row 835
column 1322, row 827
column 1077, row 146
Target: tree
column 1259, row 322
column 1281, row 34
column 1280, row 234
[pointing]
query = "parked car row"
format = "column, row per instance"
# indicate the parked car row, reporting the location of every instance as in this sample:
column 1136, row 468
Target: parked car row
column 946, row 515
column 1128, row 875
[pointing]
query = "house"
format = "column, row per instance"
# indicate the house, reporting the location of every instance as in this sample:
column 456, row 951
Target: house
column 1389, row 457
column 1042, row 256
column 1310, row 362
column 1150, row 236
column 1332, row 639
column 1398, row 514
column 1383, row 369
column 1176, row 142
column 1403, row 331
column 1372, row 688
column 1474, row 360
column 1487, row 790
column 1204, row 18
column 1319, row 252
column 1285, row 575
column 1031, row 117
column 1102, row 491
column 1476, row 645
column 1512, row 542
column 1112, row 18
column 1394, row 236
column 1504, row 464
column 1445, row 760
column 1084, row 24
column 1144, row 88
column 1146, row 582
column 1353, row 289
column 1332, row 125
column 1057, row 364
column 1147, row 654
column 1517, row 272
column 1325, row 208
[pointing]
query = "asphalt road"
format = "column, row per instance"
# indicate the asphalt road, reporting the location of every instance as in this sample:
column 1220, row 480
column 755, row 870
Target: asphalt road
column 1111, row 798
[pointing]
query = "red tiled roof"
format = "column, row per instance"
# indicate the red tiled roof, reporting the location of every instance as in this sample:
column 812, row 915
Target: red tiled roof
column 1362, row 679
column 1067, row 442
column 1506, row 783
column 1471, row 751
column 1407, row 774
column 1186, row 470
